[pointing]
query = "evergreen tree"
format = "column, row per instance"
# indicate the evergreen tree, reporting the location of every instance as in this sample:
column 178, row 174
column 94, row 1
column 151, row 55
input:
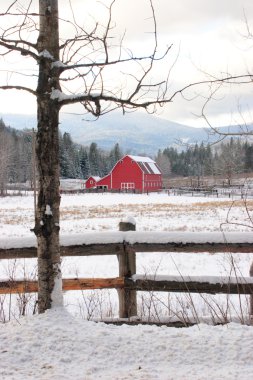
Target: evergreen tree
column 115, row 155
column 84, row 163
column 69, row 159
column 94, row 159
column 248, row 157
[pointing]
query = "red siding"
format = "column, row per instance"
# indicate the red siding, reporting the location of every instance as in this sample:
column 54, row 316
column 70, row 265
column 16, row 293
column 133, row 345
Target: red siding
column 152, row 182
column 105, row 182
column 90, row 183
column 127, row 174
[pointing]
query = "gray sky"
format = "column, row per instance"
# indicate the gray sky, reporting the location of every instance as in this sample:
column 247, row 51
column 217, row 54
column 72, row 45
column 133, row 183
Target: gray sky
column 207, row 36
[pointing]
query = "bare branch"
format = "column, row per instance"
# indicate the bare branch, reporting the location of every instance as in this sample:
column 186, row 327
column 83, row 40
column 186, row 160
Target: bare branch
column 243, row 129
column 97, row 99
column 12, row 46
column 20, row 73
column 27, row 89
column 114, row 62
column 237, row 80
column 27, row 25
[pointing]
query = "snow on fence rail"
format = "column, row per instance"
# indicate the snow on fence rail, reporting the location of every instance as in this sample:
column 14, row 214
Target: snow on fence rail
column 125, row 243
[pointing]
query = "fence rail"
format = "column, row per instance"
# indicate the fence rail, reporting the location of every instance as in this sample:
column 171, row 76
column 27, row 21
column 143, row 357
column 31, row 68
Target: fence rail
column 112, row 248
column 125, row 244
column 28, row 286
column 242, row 286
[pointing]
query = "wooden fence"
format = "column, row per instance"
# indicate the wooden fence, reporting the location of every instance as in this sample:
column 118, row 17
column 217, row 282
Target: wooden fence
column 125, row 244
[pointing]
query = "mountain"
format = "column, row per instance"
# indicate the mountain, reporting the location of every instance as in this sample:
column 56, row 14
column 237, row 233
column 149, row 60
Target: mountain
column 136, row 132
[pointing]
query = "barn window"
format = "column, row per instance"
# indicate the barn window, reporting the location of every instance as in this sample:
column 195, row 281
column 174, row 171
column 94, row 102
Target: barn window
column 127, row 185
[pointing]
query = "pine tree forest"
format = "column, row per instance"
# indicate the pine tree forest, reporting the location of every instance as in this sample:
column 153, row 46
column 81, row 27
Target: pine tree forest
column 225, row 159
column 76, row 161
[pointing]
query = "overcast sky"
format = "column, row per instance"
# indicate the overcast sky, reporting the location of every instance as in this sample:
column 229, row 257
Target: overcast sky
column 207, row 36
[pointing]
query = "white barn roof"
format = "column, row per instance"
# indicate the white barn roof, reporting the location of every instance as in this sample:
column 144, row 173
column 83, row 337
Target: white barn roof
column 96, row 178
column 147, row 165
column 141, row 159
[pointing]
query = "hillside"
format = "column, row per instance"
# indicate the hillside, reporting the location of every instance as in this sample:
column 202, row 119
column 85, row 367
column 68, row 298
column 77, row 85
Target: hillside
column 135, row 132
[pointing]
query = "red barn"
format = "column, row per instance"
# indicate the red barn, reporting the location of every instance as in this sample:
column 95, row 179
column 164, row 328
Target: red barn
column 133, row 173
column 91, row 182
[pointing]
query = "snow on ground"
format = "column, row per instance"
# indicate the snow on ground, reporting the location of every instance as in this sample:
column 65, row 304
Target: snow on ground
column 59, row 345
column 160, row 212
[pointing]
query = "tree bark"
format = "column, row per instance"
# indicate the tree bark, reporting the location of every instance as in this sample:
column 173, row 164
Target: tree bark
column 47, row 153
column 251, row 298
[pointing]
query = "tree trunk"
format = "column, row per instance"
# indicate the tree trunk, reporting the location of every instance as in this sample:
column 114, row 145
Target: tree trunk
column 251, row 298
column 47, row 153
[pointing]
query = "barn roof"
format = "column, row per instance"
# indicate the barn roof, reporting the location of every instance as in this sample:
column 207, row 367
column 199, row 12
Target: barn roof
column 141, row 158
column 96, row 178
column 147, row 165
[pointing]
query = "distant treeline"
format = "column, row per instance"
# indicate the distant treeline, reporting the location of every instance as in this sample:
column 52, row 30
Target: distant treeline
column 224, row 159
column 15, row 156
column 77, row 161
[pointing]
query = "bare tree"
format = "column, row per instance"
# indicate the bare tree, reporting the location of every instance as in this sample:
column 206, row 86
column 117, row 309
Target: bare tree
column 87, row 56
column 164, row 164
column 230, row 160
column 84, row 56
column 220, row 86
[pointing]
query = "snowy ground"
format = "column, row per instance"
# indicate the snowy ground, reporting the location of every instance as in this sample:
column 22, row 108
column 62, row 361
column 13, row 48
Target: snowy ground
column 59, row 345
column 152, row 212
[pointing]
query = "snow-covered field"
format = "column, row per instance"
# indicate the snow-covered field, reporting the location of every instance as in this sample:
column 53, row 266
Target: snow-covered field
column 61, row 345
column 158, row 212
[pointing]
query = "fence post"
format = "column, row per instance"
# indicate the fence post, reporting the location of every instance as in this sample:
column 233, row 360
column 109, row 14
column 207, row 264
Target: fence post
column 127, row 267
